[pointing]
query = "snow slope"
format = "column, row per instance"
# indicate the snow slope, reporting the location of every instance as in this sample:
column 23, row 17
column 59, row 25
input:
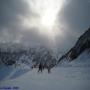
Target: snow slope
column 74, row 75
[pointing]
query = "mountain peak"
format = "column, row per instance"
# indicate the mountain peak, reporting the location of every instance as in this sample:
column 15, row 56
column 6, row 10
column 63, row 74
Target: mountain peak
column 82, row 44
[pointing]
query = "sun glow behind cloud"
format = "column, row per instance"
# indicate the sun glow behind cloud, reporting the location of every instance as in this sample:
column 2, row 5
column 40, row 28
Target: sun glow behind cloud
column 44, row 16
column 50, row 11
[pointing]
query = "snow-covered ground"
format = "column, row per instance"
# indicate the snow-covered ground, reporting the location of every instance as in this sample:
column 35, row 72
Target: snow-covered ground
column 70, row 76
column 60, row 79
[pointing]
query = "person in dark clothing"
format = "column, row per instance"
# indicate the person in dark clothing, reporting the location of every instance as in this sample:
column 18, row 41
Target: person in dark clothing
column 40, row 67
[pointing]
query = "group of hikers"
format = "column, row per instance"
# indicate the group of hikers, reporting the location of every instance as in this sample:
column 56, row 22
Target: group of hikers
column 45, row 61
column 42, row 66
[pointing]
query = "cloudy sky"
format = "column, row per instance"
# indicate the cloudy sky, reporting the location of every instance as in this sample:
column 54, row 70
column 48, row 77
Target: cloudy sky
column 48, row 22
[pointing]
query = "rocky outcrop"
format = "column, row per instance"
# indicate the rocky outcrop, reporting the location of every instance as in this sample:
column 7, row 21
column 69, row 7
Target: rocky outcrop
column 82, row 44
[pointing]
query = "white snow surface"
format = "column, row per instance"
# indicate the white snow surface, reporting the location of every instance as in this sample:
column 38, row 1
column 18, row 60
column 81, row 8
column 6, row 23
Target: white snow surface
column 73, row 75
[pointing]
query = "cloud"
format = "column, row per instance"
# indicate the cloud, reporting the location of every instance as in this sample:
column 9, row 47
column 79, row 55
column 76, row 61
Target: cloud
column 73, row 19
column 15, row 20
column 9, row 18
column 76, row 14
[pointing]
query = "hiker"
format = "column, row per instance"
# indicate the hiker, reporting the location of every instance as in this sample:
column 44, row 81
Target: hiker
column 40, row 67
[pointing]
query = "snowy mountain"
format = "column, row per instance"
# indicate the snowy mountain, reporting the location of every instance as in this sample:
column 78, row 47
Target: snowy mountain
column 16, row 60
column 82, row 45
column 14, row 55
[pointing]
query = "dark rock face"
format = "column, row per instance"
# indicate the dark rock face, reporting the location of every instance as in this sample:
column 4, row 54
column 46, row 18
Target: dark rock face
column 73, row 54
column 10, row 62
column 7, row 58
column 81, row 45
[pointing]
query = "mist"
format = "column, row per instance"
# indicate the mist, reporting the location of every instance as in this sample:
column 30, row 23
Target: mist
column 20, row 23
